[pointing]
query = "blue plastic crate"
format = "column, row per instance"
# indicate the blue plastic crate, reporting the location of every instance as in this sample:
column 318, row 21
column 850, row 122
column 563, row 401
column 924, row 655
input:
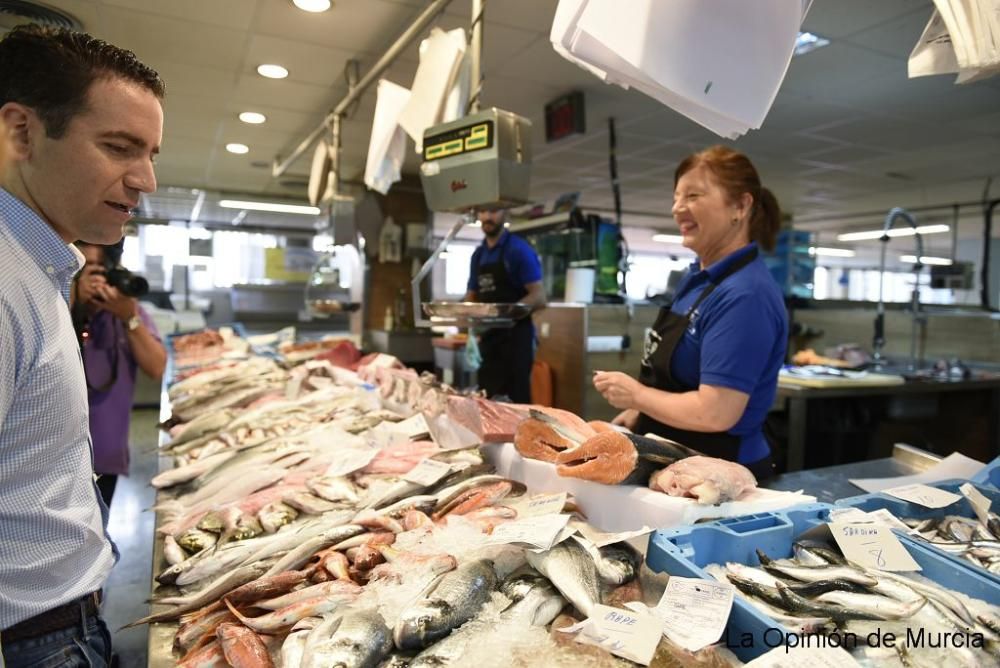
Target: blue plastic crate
column 989, row 476
column 684, row 551
column 905, row 509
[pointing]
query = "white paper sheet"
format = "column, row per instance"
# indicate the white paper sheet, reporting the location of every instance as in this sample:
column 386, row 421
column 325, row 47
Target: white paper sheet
column 603, row 504
column 955, row 465
column 387, row 146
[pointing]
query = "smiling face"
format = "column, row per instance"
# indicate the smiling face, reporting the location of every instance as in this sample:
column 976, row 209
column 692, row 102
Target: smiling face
column 706, row 215
column 86, row 184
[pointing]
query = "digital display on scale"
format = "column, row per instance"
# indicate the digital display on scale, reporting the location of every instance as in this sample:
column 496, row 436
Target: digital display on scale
column 475, row 137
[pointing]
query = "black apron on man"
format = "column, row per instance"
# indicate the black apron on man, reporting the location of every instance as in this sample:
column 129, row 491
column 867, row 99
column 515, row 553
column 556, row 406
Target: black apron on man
column 508, row 353
column 655, row 372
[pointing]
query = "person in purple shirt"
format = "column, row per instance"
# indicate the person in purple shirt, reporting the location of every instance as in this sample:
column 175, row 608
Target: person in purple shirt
column 116, row 337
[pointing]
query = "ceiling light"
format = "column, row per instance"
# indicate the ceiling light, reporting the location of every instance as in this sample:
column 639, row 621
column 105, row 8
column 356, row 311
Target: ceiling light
column 269, row 206
column 476, row 223
column 926, row 259
column 238, row 149
column 897, row 232
column 252, row 117
column 831, row 252
column 272, row 71
column 314, row 6
column 807, row 41
column 668, row 238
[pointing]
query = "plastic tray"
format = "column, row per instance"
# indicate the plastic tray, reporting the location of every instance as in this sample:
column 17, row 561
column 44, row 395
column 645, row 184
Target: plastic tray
column 989, row 476
column 905, row 509
column 685, row 550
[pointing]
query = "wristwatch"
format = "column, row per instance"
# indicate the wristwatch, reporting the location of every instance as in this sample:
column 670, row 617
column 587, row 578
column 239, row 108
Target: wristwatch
column 133, row 323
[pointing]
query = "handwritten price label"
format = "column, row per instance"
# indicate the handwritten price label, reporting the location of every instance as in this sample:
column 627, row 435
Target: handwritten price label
column 924, row 495
column 872, row 546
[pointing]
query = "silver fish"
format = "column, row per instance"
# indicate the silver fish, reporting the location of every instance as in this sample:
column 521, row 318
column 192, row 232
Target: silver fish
column 932, row 592
column 885, row 608
column 304, row 552
column 194, row 470
column 361, row 640
column 572, row 570
column 814, row 573
column 453, row 599
column 275, row 515
column 292, row 649
column 618, row 564
column 533, row 597
column 332, row 588
column 308, row 503
column 173, row 552
column 331, row 488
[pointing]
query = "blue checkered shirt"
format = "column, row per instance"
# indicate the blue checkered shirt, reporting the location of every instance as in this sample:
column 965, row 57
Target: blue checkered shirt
column 53, row 543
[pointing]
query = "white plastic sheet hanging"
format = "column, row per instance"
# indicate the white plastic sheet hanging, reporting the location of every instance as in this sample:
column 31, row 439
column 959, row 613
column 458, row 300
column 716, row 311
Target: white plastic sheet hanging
column 387, row 146
column 719, row 63
column 963, row 37
column 440, row 59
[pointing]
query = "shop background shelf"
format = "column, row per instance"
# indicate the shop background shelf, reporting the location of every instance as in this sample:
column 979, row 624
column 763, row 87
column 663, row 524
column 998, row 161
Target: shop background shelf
column 685, row 551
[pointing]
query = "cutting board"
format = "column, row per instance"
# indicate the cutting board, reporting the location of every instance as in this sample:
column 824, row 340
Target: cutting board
column 871, row 379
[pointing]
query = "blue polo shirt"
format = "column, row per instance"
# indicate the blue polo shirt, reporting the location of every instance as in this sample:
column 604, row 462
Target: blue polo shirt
column 519, row 257
column 736, row 339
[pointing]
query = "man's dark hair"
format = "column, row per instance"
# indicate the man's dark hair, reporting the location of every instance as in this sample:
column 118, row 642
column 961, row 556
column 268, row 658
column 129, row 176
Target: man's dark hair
column 51, row 70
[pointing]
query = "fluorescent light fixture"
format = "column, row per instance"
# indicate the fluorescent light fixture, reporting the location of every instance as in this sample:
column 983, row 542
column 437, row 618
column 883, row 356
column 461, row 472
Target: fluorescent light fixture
column 668, row 238
column 252, row 117
column 896, row 232
column 269, row 206
column 831, row 252
column 314, row 6
column 926, row 259
column 238, row 149
column 806, row 42
column 476, row 223
column 272, row 71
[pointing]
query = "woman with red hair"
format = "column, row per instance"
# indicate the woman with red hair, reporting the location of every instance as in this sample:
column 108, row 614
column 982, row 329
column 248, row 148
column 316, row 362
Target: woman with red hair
column 711, row 360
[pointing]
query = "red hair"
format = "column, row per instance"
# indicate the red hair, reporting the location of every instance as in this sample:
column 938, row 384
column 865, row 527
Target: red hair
column 735, row 174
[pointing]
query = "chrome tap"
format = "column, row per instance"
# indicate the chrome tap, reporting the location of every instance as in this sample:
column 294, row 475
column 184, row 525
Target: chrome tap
column 879, row 340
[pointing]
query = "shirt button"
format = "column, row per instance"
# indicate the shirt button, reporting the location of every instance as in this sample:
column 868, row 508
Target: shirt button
column 50, row 270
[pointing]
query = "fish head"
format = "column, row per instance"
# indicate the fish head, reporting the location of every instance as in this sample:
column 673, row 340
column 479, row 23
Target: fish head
column 423, row 624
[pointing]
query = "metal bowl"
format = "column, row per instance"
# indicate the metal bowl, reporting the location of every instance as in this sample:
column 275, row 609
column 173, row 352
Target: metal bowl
column 475, row 310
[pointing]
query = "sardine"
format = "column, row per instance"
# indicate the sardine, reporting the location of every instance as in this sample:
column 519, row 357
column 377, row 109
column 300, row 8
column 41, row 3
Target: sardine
column 885, row 608
column 837, row 609
column 454, row 599
column 932, row 592
column 814, row 574
column 573, row 572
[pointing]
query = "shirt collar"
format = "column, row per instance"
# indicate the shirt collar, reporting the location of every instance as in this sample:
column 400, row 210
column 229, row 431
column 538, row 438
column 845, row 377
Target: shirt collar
column 717, row 269
column 503, row 240
column 53, row 255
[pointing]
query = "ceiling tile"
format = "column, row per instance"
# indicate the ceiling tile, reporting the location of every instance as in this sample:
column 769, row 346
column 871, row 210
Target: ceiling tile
column 224, row 13
column 844, row 18
column 306, row 63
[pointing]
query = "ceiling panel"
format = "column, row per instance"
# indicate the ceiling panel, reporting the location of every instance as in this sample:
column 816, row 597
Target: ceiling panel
column 228, row 14
column 356, row 25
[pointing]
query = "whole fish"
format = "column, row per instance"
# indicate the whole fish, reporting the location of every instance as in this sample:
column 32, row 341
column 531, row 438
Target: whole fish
column 211, row 566
column 573, row 572
column 266, row 587
column 361, row 640
column 209, row 423
column 926, row 590
column 195, row 540
column 203, row 626
column 194, row 470
column 848, row 606
column 284, row 618
column 308, row 503
column 242, row 647
column 293, row 648
column 335, row 588
column 209, row 656
column 473, row 499
column 172, row 552
column 335, row 489
column 618, row 563
column 532, row 597
column 812, row 574
column 275, row 515
column 452, row 600
column 304, row 552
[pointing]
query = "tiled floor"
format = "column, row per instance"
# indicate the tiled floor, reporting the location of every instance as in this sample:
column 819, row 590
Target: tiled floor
column 131, row 527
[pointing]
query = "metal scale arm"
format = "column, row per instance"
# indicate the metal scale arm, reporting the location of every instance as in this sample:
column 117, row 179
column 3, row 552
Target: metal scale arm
column 418, row 315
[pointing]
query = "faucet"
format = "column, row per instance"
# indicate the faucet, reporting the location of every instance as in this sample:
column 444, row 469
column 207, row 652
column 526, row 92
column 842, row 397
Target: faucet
column 879, row 340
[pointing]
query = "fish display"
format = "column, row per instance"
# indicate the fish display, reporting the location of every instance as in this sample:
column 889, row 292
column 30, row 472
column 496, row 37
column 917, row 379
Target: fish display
column 291, row 536
column 816, row 591
column 968, row 538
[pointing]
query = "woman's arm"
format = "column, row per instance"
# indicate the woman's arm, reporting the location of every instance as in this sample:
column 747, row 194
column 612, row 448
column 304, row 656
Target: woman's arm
column 708, row 409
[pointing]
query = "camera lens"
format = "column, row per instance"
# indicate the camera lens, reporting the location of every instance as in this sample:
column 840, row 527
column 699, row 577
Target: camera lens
column 129, row 284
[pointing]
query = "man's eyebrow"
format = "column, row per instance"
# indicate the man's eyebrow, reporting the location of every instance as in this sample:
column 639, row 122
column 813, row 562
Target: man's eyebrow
column 130, row 138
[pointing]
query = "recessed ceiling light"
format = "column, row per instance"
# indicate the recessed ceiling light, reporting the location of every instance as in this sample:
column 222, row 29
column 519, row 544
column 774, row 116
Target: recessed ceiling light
column 238, row 149
column 272, row 71
column 314, row 6
column 896, row 232
column 269, row 206
column 668, row 238
column 252, row 117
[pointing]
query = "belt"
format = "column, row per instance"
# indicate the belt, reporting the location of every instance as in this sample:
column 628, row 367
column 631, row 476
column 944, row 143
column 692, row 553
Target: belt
column 56, row 619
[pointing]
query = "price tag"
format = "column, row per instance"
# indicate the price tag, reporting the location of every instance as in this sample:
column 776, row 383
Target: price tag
column 541, row 504
column 796, row 657
column 694, row 612
column 625, row 633
column 924, row 495
column 415, row 425
column 294, row 386
column 600, row 539
column 539, row 533
column 880, row 516
column 872, row 546
column 980, row 504
column 428, row 472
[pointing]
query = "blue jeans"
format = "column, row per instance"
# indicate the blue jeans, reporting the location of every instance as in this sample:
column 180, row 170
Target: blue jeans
column 83, row 645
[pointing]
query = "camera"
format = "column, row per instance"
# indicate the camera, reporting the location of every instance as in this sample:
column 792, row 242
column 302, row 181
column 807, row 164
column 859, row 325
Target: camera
column 129, row 284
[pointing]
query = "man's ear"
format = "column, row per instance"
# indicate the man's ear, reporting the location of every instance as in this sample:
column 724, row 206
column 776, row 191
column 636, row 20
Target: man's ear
column 22, row 124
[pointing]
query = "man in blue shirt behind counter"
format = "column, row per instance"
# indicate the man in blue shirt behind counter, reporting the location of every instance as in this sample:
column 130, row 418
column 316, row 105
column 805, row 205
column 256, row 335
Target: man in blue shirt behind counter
column 505, row 269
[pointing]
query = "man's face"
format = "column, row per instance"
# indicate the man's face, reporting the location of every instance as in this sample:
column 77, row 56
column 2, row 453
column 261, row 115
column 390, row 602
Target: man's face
column 86, row 184
column 492, row 221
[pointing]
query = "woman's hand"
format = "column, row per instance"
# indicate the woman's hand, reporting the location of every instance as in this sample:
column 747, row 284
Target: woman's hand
column 111, row 299
column 618, row 389
column 627, row 419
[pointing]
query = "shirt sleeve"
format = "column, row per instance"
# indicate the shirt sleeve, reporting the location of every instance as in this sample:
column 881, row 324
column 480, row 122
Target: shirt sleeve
column 8, row 362
column 150, row 325
column 737, row 342
column 473, row 265
column 525, row 266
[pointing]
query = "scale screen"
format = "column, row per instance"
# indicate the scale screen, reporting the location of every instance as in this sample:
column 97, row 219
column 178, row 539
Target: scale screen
column 473, row 137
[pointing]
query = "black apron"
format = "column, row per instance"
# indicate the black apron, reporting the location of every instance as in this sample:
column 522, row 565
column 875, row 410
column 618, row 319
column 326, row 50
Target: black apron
column 661, row 342
column 508, row 353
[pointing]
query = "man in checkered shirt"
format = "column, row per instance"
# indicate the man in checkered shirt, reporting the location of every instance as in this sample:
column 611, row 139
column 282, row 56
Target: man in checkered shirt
column 83, row 122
